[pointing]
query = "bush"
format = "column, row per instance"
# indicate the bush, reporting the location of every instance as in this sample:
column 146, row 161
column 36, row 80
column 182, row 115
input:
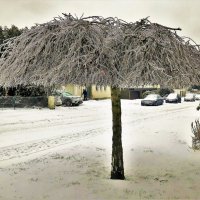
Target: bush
column 24, row 91
column 196, row 131
column 23, row 102
column 165, row 91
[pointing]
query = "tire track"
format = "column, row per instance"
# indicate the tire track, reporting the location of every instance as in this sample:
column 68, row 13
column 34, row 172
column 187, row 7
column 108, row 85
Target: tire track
column 28, row 148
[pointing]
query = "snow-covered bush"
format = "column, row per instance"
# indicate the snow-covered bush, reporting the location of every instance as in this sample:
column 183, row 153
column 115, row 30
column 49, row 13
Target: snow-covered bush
column 196, row 131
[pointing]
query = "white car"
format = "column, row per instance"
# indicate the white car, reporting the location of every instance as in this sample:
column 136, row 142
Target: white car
column 66, row 98
column 152, row 100
column 173, row 98
column 197, row 97
column 58, row 101
column 189, row 97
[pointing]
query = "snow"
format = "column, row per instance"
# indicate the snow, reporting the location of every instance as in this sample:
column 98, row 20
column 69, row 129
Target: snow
column 151, row 97
column 172, row 96
column 66, row 153
column 189, row 95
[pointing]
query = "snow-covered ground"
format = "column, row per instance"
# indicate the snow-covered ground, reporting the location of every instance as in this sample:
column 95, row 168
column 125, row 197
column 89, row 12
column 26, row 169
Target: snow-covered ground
column 65, row 154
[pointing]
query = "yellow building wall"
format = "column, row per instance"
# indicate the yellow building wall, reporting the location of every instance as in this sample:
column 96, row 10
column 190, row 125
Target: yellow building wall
column 100, row 92
column 73, row 89
column 95, row 92
column 182, row 91
column 78, row 90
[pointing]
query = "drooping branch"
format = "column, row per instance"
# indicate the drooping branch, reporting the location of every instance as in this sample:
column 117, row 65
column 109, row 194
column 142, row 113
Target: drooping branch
column 97, row 50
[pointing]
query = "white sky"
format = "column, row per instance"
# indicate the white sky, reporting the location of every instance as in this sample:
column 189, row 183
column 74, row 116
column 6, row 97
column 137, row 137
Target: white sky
column 174, row 13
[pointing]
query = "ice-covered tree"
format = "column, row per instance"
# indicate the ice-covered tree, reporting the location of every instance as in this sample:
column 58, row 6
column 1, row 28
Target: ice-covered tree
column 101, row 51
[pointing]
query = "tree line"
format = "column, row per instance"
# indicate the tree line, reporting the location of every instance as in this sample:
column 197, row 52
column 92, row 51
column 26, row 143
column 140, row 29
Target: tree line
column 13, row 31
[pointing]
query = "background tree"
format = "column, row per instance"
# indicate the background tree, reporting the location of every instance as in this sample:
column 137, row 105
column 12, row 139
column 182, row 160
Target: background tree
column 1, row 35
column 8, row 33
column 13, row 31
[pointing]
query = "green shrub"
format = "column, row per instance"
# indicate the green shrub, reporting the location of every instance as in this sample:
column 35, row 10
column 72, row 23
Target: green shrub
column 165, row 91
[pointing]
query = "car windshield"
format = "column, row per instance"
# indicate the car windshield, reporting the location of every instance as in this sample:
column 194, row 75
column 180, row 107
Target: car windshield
column 172, row 95
column 151, row 97
column 66, row 94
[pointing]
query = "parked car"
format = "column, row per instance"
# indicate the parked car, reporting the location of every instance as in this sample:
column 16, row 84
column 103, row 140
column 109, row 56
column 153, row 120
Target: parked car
column 152, row 100
column 173, row 98
column 66, row 98
column 165, row 96
column 197, row 97
column 58, row 101
column 189, row 97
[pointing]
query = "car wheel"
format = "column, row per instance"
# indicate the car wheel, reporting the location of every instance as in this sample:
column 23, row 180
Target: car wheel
column 68, row 103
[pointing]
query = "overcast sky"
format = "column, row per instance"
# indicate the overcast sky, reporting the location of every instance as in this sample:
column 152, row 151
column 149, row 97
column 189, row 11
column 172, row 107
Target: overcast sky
column 174, row 13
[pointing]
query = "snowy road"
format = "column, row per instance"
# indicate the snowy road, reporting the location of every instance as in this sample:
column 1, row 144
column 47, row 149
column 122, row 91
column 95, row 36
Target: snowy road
column 27, row 133
column 78, row 141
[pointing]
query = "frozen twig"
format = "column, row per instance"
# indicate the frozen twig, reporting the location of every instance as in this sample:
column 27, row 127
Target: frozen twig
column 97, row 50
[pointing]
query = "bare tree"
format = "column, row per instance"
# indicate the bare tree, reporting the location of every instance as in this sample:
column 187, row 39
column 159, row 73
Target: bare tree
column 102, row 51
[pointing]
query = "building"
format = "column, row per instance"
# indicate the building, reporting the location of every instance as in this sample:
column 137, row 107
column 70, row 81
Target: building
column 99, row 92
column 94, row 92
column 182, row 92
column 73, row 89
column 104, row 92
column 136, row 93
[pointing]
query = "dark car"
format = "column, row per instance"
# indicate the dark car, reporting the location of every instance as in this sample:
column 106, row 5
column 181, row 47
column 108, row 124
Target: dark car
column 152, row 100
column 189, row 97
column 173, row 98
column 66, row 98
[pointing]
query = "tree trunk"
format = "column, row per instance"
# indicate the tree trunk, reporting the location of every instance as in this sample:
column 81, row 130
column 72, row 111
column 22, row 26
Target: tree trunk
column 117, row 171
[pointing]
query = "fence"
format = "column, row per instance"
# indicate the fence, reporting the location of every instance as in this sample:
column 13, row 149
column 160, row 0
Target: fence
column 23, row 102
